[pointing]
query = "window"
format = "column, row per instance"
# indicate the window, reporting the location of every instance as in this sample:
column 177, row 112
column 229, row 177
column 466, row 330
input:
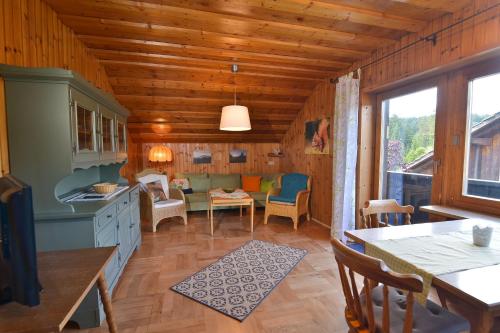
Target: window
column 482, row 153
column 408, row 132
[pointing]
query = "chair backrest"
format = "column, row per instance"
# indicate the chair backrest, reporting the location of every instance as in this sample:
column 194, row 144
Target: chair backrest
column 374, row 272
column 292, row 183
column 373, row 208
column 151, row 176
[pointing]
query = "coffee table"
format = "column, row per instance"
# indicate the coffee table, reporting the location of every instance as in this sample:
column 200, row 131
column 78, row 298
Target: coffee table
column 221, row 201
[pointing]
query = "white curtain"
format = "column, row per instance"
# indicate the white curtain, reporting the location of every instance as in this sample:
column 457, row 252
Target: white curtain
column 345, row 149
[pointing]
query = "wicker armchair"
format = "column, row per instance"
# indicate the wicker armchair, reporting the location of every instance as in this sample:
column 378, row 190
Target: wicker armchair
column 154, row 212
column 294, row 208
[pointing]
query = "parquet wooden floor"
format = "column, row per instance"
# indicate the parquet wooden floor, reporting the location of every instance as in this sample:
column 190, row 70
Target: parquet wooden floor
column 308, row 300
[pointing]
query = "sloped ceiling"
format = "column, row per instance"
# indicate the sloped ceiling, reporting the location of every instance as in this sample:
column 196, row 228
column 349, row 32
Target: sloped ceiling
column 169, row 61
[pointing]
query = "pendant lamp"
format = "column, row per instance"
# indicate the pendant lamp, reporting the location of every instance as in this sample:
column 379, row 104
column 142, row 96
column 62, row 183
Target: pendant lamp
column 235, row 117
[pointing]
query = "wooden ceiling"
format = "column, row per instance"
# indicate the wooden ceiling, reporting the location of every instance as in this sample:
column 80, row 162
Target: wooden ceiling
column 169, row 60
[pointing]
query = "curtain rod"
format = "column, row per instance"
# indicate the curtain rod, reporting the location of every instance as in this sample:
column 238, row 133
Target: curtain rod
column 429, row 38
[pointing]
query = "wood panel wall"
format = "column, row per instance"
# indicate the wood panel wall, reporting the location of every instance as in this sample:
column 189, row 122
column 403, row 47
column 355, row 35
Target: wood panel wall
column 471, row 42
column 31, row 35
column 463, row 41
column 258, row 160
column 320, row 104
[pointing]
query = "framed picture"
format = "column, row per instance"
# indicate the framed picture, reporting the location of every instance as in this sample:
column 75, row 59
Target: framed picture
column 202, row 157
column 317, row 137
column 237, row 156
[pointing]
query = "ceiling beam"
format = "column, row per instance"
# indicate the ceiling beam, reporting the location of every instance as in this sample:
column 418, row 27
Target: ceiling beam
column 200, row 52
column 193, row 86
column 169, row 73
column 155, row 32
column 112, row 56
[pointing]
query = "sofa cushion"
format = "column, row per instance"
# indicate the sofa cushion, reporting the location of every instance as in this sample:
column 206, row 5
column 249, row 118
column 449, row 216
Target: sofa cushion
column 291, row 184
column 199, row 183
column 251, row 183
column 230, row 181
column 266, row 185
column 196, row 197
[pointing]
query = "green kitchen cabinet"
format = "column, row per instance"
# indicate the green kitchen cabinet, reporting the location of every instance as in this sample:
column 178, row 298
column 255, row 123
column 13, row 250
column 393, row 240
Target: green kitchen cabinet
column 65, row 135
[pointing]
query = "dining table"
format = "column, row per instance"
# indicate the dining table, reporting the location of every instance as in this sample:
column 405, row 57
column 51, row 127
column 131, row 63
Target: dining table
column 473, row 291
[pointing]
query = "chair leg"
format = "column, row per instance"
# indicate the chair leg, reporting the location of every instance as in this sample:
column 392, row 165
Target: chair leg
column 308, row 216
column 184, row 217
column 266, row 216
column 295, row 222
column 153, row 226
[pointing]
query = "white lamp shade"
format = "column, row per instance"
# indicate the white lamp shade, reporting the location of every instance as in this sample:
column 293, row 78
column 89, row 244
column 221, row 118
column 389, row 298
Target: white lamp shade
column 235, row 118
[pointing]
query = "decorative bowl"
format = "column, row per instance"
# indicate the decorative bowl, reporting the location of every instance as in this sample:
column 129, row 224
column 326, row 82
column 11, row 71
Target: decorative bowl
column 104, row 188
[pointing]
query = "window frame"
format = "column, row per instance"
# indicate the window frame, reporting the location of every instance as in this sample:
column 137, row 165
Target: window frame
column 437, row 82
column 467, row 200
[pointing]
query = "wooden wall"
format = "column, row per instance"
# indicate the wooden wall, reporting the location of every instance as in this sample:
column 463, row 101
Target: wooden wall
column 258, row 160
column 464, row 40
column 471, row 42
column 320, row 104
column 31, row 35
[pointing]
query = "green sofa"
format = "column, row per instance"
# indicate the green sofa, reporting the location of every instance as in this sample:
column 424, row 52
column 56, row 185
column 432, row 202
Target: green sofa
column 201, row 183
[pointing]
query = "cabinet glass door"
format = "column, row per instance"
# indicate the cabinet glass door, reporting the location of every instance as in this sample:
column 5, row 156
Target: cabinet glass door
column 107, row 134
column 122, row 137
column 85, row 129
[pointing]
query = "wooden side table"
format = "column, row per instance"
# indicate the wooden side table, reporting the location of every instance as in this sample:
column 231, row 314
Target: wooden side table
column 66, row 278
column 215, row 201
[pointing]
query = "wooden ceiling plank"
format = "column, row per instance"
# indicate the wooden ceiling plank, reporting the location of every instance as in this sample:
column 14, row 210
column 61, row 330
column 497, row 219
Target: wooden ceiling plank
column 271, row 10
column 153, row 72
column 215, row 22
column 200, row 52
column 154, row 32
column 218, row 65
column 129, row 82
column 182, row 101
column 134, row 90
column 165, row 116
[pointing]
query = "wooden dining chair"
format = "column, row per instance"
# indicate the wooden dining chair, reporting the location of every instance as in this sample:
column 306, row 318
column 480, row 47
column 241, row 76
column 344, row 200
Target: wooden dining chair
column 386, row 301
column 375, row 208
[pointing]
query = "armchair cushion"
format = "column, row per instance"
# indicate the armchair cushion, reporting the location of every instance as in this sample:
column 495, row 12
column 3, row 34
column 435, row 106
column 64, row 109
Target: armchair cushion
column 282, row 200
column 168, row 203
column 291, row 184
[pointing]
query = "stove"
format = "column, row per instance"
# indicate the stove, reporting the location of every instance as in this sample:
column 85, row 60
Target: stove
column 92, row 195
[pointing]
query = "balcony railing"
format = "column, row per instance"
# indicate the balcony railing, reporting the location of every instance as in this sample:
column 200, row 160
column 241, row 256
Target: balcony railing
column 415, row 189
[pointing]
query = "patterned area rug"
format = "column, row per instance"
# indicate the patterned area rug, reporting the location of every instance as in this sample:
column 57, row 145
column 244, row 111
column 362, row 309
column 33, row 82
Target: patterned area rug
column 239, row 281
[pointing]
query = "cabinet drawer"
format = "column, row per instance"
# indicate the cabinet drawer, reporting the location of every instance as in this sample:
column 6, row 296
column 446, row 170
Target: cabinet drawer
column 134, row 195
column 107, row 236
column 123, row 202
column 107, row 216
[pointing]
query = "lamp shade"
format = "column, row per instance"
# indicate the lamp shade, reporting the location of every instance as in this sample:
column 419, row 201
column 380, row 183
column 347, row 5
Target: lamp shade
column 160, row 154
column 235, row 118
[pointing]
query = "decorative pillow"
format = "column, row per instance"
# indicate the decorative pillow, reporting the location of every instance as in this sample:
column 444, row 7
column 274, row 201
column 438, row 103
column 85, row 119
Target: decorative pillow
column 251, row 183
column 157, row 190
column 180, row 183
column 266, row 185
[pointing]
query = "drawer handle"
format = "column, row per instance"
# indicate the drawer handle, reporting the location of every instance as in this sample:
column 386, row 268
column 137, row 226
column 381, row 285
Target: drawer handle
column 109, row 216
column 118, row 244
column 125, row 202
